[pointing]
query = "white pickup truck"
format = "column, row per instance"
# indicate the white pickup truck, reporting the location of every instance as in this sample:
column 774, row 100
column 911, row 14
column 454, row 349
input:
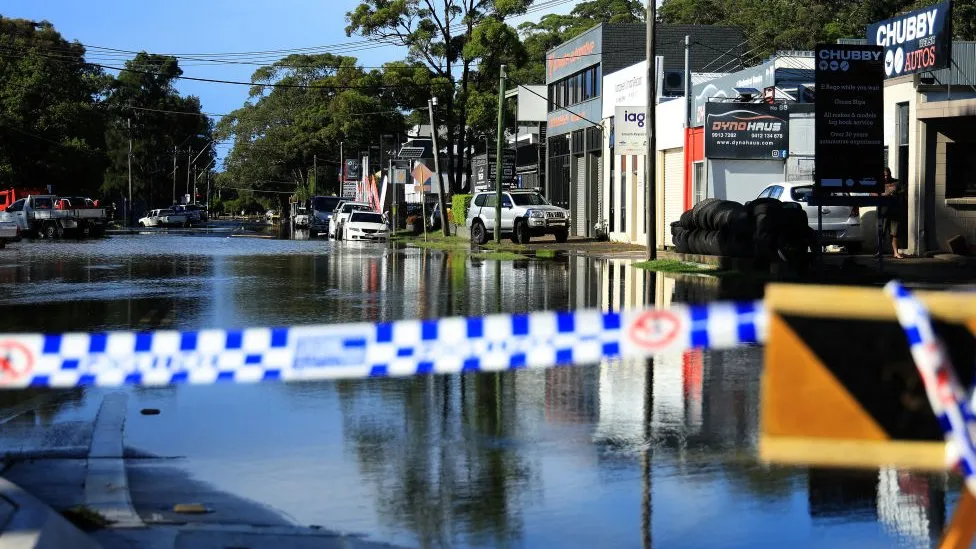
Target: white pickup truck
column 49, row 216
column 9, row 232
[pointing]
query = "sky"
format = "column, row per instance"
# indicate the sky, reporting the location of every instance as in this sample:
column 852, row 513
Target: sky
column 207, row 27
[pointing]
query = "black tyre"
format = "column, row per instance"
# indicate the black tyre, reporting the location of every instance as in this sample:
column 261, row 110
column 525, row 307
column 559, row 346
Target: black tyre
column 854, row 248
column 479, row 235
column 562, row 235
column 52, row 231
column 522, row 232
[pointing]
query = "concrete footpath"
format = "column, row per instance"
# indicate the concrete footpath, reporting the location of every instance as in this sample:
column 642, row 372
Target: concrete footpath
column 82, row 468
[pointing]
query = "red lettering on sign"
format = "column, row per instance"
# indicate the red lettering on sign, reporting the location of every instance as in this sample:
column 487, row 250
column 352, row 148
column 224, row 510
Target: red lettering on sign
column 655, row 330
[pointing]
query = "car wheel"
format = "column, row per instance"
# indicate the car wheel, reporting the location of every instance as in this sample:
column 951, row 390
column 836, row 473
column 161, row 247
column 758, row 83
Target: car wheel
column 478, row 233
column 854, row 248
column 522, row 232
column 51, row 231
column 562, row 236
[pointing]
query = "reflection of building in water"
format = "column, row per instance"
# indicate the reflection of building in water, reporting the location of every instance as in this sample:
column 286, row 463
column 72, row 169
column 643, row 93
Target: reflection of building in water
column 572, row 395
column 622, row 398
column 842, row 494
column 911, row 505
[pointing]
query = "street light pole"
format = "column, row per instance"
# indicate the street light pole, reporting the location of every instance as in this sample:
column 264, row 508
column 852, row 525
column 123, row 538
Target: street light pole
column 189, row 151
column 128, row 211
column 498, row 151
column 650, row 163
column 431, row 103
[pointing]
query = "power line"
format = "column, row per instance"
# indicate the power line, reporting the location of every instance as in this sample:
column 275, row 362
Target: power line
column 551, row 103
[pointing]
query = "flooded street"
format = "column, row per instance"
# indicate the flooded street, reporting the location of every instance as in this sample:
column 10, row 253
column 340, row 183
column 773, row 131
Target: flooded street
column 605, row 455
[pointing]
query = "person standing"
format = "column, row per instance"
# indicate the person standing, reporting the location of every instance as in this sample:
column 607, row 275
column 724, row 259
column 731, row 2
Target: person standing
column 895, row 215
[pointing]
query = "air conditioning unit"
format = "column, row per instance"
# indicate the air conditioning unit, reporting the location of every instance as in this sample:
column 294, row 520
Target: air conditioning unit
column 674, row 83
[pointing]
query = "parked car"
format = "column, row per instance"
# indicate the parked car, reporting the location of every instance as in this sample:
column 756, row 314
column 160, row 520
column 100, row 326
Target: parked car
column 525, row 214
column 365, row 225
column 342, row 212
column 164, row 218
column 322, row 209
column 193, row 212
column 842, row 225
column 272, row 215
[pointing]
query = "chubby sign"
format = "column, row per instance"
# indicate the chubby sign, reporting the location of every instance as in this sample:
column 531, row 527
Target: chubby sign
column 917, row 41
column 753, row 131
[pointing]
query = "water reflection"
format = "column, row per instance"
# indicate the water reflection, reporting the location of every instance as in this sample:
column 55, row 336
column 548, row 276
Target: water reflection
column 617, row 454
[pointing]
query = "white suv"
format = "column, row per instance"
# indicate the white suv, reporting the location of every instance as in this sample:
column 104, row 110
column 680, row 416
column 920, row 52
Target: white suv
column 524, row 214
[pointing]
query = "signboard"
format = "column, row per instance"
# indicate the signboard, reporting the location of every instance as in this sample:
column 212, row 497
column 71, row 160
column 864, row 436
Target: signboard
column 747, row 131
column 485, row 167
column 351, row 171
column 564, row 120
column 849, row 123
column 629, row 131
column 399, row 176
column 574, row 55
column 916, row 41
column 758, row 77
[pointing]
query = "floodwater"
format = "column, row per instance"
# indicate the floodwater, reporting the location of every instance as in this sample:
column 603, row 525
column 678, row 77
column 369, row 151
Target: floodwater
column 603, row 455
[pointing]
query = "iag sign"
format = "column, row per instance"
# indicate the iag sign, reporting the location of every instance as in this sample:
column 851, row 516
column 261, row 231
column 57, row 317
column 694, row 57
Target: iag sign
column 916, row 41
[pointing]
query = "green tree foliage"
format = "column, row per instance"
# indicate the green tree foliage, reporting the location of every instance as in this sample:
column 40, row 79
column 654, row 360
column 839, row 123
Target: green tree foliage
column 51, row 127
column 801, row 24
column 320, row 101
column 146, row 106
column 448, row 37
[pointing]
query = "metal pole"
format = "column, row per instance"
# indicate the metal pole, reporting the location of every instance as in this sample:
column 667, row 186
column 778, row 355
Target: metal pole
column 128, row 211
column 687, row 81
column 650, row 163
column 193, row 197
column 176, row 153
column 189, row 153
column 499, row 151
column 342, row 170
column 437, row 170
column 315, row 173
column 207, row 208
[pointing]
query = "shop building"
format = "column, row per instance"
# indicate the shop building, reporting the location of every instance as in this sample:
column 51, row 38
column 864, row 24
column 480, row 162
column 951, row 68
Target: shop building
column 929, row 145
column 576, row 135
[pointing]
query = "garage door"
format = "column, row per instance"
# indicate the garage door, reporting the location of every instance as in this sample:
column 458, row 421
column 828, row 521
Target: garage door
column 674, row 190
column 579, row 216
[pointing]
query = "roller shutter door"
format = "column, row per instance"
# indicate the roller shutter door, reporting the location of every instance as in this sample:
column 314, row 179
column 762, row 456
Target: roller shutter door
column 579, row 216
column 674, row 189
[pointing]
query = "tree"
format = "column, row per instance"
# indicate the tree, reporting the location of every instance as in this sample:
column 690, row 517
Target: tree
column 146, row 106
column 437, row 37
column 313, row 103
column 50, row 120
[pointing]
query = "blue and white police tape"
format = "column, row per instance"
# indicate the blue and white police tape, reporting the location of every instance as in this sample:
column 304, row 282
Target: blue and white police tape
column 353, row 351
column 942, row 387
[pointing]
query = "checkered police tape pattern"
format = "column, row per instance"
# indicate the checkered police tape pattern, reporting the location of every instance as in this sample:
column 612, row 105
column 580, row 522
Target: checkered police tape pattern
column 354, row 351
column 942, row 387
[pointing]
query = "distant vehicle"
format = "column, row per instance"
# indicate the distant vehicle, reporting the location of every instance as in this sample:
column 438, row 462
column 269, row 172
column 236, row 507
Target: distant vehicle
column 164, row 218
column 322, row 209
column 193, row 212
column 363, row 225
column 342, row 213
column 50, row 216
column 841, row 224
column 524, row 214
column 271, row 215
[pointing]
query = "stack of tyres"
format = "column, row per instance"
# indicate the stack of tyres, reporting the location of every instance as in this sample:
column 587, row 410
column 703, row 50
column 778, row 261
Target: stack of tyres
column 714, row 227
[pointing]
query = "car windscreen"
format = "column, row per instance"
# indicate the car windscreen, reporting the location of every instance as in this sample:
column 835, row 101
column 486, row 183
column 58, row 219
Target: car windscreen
column 354, row 207
column 801, row 194
column 529, row 199
column 366, row 217
column 325, row 203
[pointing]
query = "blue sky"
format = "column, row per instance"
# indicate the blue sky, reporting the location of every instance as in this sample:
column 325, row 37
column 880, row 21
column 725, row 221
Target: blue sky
column 205, row 26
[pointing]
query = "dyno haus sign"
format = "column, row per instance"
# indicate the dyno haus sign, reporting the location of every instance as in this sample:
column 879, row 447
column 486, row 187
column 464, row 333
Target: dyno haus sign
column 917, row 41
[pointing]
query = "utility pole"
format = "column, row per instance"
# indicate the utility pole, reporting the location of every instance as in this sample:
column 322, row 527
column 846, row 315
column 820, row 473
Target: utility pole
column 315, row 174
column 193, row 197
column 342, row 170
column 128, row 210
column 498, row 151
column 189, row 152
column 650, row 163
column 175, row 154
column 431, row 103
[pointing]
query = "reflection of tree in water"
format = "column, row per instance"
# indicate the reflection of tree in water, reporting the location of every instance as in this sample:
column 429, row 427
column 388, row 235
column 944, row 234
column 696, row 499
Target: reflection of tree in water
column 435, row 448
column 51, row 401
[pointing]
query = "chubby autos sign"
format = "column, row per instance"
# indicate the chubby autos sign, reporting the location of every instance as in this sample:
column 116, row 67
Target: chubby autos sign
column 753, row 131
column 916, row 41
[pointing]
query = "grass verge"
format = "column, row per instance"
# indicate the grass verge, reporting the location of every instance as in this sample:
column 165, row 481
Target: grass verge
column 675, row 266
column 85, row 519
column 545, row 254
column 434, row 241
column 499, row 256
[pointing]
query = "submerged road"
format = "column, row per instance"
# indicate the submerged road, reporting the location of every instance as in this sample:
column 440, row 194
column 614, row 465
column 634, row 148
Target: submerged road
column 603, row 455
